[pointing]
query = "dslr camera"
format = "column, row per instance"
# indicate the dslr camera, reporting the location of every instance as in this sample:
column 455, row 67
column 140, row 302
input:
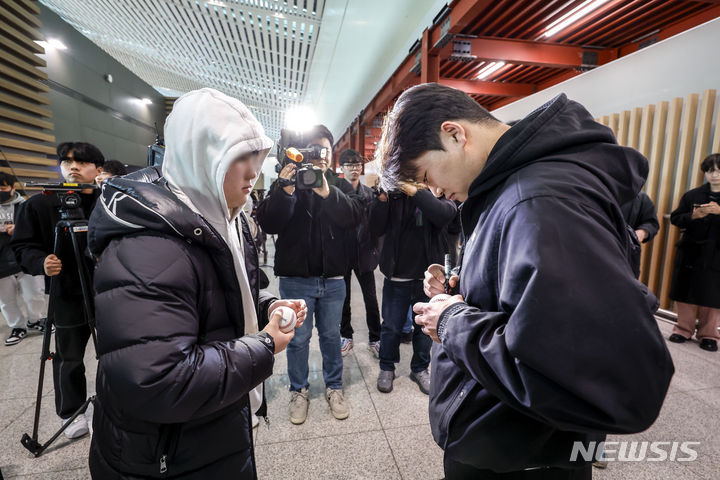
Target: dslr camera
column 307, row 176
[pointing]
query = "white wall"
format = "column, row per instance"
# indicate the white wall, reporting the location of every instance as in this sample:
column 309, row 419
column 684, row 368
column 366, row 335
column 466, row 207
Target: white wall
column 683, row 64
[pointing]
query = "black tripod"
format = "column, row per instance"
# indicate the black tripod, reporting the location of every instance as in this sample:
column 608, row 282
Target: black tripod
column 72, row 223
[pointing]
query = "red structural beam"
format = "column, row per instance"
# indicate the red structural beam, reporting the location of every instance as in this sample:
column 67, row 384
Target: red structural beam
column 430, row 62
column 402, row 77
column 462, row 14
column 528, row 52
column 673, row 29
column 478, row 87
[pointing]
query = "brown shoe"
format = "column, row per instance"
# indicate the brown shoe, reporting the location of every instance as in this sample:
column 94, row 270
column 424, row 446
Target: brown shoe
column 298, row 406
column 338, row 405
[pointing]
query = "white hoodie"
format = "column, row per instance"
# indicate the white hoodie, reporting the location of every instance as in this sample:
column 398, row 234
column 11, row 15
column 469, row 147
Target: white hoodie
column 204, row 133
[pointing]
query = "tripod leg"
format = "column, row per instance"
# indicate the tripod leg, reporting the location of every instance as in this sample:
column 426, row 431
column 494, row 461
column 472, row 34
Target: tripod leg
column 83, row 275
column 38, row 449
column 44, row 356
column 31, row 443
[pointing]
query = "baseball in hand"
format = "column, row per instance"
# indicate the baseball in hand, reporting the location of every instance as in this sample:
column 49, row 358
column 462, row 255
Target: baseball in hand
column 288, row 320
column 440, row 297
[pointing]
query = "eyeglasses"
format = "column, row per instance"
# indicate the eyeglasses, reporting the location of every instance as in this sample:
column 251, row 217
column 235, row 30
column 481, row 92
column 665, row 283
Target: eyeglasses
column 353, row 166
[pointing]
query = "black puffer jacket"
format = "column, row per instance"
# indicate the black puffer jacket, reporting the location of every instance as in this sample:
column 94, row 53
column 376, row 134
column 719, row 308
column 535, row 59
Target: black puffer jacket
column 174, row 369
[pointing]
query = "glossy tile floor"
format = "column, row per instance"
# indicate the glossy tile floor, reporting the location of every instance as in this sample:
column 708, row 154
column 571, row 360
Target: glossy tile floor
column 387, row 436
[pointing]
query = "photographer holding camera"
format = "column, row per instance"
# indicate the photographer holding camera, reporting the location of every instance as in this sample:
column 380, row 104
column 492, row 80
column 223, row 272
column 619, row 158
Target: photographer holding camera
column 312, row 225
column 33, row 244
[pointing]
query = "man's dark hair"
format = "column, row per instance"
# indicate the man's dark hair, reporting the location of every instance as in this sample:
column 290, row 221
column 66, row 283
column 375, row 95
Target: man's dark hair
column 7, row 180
column 711, row 160
column 82, row 152
column 350, row 156
column 318, row 131
column 114, row 167
column 412, row 127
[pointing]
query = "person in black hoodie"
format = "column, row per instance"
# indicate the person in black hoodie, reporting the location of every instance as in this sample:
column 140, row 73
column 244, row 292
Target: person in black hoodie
column 33, row 244
column 364, row 253
column 414, row 225
column 551, row 342
column 311, row 260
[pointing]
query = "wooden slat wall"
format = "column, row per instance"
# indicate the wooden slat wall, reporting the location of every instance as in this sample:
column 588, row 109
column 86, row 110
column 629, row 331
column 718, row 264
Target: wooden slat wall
column 675, row 136
column 26, row 129
column 169, row 102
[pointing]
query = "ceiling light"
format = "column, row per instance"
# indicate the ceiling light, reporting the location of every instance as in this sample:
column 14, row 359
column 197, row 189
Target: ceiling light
column 489, row 69
column 52, row 44
column 300, row 118
column 573, row 16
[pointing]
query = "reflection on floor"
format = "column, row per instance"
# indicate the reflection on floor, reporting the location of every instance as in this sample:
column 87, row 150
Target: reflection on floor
column 387, row 436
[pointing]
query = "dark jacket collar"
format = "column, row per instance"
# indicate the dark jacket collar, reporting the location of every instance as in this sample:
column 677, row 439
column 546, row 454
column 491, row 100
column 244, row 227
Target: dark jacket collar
column 142, row 202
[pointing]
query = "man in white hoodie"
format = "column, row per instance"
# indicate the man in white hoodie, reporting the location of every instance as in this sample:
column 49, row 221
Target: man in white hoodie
column 181, row 360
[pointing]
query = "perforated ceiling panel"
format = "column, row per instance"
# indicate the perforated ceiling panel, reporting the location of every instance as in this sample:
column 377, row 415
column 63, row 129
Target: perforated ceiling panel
column 256, row 50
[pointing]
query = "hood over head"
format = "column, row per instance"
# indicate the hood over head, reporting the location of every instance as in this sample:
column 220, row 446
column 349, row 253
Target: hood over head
column 204, row 133
column 564, row 131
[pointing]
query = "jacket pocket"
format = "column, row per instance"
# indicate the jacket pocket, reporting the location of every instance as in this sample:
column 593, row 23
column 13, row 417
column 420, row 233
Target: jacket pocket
column 167, row 443
column 460, row 394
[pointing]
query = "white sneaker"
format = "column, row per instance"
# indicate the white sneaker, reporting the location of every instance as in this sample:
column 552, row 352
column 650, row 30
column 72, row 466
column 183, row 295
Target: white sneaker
column 77, row 428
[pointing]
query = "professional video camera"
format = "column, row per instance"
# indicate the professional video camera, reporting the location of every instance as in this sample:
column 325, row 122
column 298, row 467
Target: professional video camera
column 156, row 151
column 307, row 175
column 392, row 194
column 70, row 202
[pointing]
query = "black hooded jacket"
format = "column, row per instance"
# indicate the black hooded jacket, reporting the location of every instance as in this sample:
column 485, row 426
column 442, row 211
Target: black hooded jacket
column 312, row 231
column 175, row 367
column 34, row 239
column 557, row 342
column 414, row 231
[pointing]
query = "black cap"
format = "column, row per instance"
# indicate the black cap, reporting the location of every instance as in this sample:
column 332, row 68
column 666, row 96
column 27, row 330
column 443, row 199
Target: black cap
column 350, row 156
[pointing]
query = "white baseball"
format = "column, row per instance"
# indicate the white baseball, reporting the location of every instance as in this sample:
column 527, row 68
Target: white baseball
column 440, row 297
column 288, row 320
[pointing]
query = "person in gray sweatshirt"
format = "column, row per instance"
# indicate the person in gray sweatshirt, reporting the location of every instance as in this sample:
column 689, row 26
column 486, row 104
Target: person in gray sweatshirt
column 12, row 280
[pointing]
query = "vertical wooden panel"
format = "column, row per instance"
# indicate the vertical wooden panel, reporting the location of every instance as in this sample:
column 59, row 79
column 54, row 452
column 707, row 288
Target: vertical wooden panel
column 634, row 129
column 623, row 125
column 614, row 122
column 646, row 128
column 702, row 143
column 656, row 143
column 646, row 131
column 716, row 136
column 605, row 120
column 687, row 138
column 665, row 191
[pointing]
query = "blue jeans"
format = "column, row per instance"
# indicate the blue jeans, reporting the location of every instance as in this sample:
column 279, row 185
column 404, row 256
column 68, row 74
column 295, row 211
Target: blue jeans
column 324, row 298
column 397, row 298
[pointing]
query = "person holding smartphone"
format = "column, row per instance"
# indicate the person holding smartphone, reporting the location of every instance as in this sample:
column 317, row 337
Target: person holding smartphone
column 696, row 277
